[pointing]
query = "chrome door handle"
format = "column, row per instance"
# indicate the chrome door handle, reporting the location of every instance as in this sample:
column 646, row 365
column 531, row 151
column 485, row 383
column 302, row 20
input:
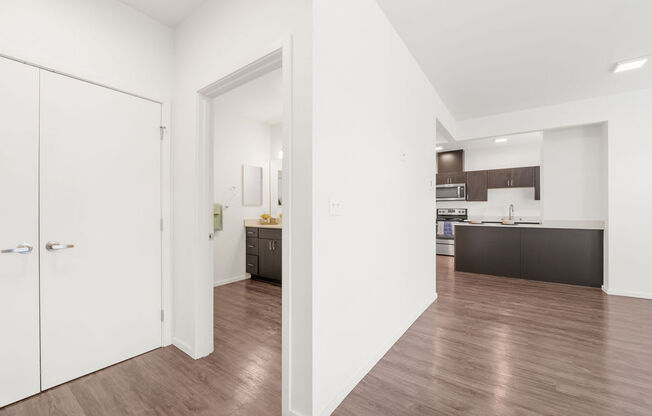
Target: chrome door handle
column 54, row 246
column 20, row 249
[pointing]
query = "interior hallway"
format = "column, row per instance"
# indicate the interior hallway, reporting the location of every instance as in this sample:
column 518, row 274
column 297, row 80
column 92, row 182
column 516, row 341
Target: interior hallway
column 501, row 346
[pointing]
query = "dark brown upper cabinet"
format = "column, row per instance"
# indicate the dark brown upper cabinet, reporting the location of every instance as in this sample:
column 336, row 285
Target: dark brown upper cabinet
column 450, row 162
column 511, row 178
column 476, row 185
column 453, row 177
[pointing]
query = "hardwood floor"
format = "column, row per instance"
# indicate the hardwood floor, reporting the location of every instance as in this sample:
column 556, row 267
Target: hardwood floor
column 500, row 346
column 242, row 376
column 488, row 346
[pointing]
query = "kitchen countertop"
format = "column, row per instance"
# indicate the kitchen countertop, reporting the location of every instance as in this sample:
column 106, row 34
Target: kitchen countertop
column 578, row 225
column 255, row 223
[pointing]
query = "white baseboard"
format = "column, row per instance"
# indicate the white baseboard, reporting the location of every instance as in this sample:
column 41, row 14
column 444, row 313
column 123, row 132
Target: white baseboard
column 183, row 347
column 232, row 280
column 628, row 293
column 373, row 360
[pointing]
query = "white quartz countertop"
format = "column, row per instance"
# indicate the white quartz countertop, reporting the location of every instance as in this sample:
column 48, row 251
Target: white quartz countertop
column 255, row 223
column 578, row 225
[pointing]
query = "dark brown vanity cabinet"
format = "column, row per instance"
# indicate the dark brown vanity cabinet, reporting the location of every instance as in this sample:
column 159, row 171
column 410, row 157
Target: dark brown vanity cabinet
column 264, row 254
column 476, row 185
column 511, row 178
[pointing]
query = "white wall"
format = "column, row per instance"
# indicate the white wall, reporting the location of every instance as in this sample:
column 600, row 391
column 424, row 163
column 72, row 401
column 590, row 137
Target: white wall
column 106, row 42
column 374, row 139
column 629, row 150
column 238, row 141
column 219, row 38
column 499, row 156
column 574, row 173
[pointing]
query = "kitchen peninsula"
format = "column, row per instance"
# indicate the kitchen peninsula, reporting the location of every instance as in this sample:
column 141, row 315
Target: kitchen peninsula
column 568, row 252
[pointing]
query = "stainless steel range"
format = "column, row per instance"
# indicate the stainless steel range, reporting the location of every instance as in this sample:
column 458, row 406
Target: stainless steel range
column 445, row 227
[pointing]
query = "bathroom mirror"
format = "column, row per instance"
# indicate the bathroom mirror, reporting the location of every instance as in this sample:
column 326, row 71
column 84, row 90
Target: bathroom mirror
column 275, row 187
column 252, row 185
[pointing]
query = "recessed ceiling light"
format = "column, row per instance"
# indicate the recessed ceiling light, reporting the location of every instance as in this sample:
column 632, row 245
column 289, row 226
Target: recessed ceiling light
column 439, row 148
column 631, row 64
column 501, row 140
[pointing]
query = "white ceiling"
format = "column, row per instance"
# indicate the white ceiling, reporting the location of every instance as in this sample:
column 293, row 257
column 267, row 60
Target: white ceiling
column 168, row 12
column 489, row 57
column 514, row 140
column 259, row 100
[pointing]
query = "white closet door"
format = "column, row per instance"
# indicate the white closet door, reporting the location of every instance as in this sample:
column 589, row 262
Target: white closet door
column 100, row 191
column 19, row 304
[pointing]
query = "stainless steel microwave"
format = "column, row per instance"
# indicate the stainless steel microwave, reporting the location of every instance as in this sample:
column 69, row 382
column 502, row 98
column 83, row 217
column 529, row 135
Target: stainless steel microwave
column 451, row 192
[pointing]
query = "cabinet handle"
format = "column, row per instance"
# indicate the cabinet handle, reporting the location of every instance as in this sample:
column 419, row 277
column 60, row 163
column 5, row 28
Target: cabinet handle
column 269, row 245
column 250, row 246
column 250, row 264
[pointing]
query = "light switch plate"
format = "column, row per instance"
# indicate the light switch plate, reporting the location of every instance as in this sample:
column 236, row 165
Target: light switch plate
column 334, row 207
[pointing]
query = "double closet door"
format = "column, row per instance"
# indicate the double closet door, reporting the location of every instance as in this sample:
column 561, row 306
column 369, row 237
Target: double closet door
column 80, row 268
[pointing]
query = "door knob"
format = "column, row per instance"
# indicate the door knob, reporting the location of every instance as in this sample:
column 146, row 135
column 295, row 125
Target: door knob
column 54, row 246
column 20, row 249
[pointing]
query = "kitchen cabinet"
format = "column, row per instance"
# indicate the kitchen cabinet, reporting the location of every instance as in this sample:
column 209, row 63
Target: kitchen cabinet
column 451, row 177
column 264, row 254
column 511, row 178
column 570, row 256
column 488, row 250
column 573, row 257
column 450, row 162
column 476, row 185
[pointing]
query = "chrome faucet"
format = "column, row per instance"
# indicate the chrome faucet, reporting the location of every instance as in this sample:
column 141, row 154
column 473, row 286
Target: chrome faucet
column 511, row 212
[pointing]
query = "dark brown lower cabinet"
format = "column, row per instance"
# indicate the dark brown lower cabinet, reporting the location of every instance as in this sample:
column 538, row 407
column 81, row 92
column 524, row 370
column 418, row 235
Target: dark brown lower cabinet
column 574, row 257
column 264, row 254
column 568, row 256
column 488, row 250
column 270, row 259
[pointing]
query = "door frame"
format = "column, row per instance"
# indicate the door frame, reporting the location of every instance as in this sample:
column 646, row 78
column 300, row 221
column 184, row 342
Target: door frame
column 277, row 55
column 166, row 193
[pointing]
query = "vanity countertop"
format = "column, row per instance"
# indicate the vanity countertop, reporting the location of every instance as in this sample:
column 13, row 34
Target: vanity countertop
column 255, row 223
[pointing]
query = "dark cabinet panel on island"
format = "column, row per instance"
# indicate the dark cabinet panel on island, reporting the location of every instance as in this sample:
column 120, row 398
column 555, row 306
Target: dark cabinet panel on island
column 570, row 256
column 488, row 250
column 563, row 256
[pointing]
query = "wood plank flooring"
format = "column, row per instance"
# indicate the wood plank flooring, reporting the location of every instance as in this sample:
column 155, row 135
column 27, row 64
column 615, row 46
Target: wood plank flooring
column 500, row 346
column 242, row 376
column 487, row 346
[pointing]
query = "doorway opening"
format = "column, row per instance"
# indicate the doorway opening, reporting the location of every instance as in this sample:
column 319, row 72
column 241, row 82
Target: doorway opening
column 244, row 219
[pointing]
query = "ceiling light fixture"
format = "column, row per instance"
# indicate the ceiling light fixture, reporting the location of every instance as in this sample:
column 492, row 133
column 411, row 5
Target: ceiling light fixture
column 501, row 140
column 631, row 64
column 439, row 148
